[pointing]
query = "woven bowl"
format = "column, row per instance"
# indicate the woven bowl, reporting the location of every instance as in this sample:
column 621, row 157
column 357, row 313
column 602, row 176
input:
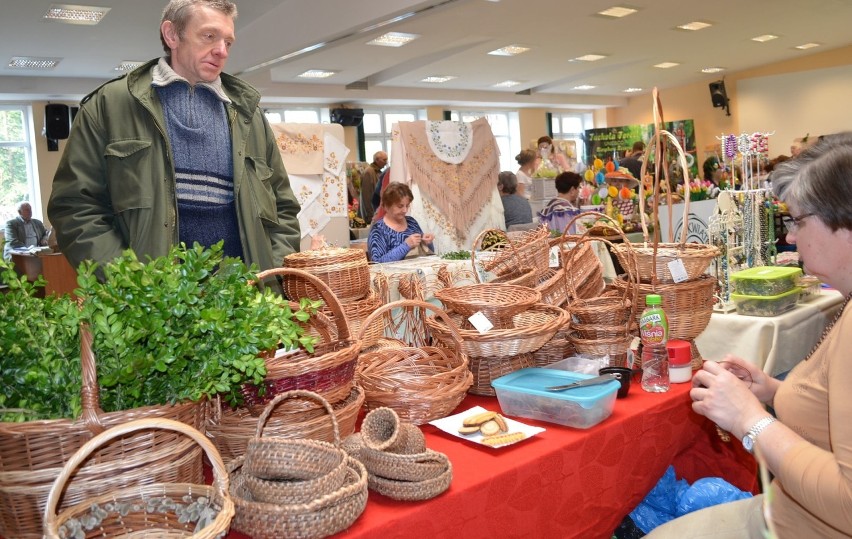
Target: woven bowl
column 498, row 302
column 289, row 491
column 345, row 271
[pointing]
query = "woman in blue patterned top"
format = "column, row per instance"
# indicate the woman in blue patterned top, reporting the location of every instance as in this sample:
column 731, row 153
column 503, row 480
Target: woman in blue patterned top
column 393, row 236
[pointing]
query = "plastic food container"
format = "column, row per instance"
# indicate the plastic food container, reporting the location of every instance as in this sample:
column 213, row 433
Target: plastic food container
column 765, row 281
column 766, row 305
column 522, row 394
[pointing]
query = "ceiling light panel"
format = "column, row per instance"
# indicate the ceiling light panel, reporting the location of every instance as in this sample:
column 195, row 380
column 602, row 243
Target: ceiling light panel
column 590, row 57
column 666, row 65
column 695, row 25
column 806, row 46
column 617, row 12
column 509, row 50
column 33, row 62
column 632, row 90
column 72, row 14
column 127, row 65
column 317, row 74
column 506, row 84
column 393, row 39
column 437, row 79
column 712, row 69
column 584, row 87
column 764, row 38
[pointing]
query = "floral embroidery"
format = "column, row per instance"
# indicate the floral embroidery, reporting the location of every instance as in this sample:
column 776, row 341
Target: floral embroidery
column 450, row 141
column 298, row 143
column 332, row 162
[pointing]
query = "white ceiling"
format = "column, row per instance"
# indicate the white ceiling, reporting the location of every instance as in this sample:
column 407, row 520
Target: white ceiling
column 456, row 36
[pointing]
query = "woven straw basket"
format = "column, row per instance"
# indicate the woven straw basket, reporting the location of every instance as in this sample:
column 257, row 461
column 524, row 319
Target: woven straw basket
column 345, row 271
column 173, row 510
column 419, row 383
column 520, row 249
column 498, row 302
column 33, row 454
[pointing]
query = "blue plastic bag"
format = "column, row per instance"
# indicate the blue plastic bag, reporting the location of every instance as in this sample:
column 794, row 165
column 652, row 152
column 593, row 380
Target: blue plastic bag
column 671, row 498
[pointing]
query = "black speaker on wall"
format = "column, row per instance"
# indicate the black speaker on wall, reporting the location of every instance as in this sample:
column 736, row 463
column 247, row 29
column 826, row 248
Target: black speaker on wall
column 347, row 117
column 57, row 121
column 719, row 96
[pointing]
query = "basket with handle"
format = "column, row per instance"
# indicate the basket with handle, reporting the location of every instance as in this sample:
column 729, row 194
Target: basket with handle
column 329, row 370
column 498, row 302
column 32, row 454
column 518, row 249
column 296, row 487
column 346, row 271
column 161, row 509
column 420, row 383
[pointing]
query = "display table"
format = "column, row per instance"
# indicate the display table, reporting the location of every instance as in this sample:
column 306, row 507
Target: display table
column 426, row 269
column 60, row 277
column 775, row 343
column 563, row 482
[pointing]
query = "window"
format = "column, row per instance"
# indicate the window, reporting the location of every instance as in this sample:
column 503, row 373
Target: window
column 18, row 178
column 378, row 126
column 572, row 127
column 504, row 126
column 295, row 116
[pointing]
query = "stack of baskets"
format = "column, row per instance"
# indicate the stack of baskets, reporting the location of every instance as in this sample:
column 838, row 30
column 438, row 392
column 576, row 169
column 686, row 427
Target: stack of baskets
column 347, row 274
column 523, row 325
column 328, row 371
column 688, row 304
column 296, row 487
column 420, row 383
column 32, row 455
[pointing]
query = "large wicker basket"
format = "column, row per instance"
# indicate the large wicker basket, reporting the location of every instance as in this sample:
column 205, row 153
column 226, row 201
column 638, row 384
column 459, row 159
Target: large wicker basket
column 33, row 454
column 529, row 248
column 420, row 383
column 498, row 302
column 345, row 271
column 145, row 509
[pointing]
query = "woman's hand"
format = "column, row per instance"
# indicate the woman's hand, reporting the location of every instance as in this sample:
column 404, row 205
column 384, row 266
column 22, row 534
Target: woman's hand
column 722, row 396
column 428, row 238
column 413, row 240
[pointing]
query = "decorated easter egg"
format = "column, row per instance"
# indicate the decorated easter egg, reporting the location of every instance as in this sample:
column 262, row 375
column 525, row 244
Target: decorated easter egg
column 599, row 178
column 610, row 166
column 589, row 175
column 612, row 191
column 596, row 199
column 626, row 193
column 598, row 164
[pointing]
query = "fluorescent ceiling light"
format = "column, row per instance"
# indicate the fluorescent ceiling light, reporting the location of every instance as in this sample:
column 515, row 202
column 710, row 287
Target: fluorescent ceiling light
column 590, row 57
column 617, row 12
column 437, row 79
column 393, row 39
column 712, row 69
column 33, row 62
column 509, row 50
column 666, row 65
column 584, row 87
column 127, row 65
column 632, row 90
column 506, row 84
column 75, row 14
column 764, row 38
column 317, row 74
column 807, row 46
column 695, row 25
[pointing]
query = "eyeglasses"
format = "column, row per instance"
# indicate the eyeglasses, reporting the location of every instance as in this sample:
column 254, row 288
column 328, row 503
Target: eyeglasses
column 792, row 223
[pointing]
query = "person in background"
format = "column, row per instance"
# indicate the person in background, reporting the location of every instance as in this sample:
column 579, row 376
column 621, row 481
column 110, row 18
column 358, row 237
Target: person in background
column 561, row 209
column 175, row 152
column 24, row 231
column 369, row 180
column 527, row 161
column 633, row 161
column 807, row 445
column 547, row 150
column 392, row 237
column 516, row 209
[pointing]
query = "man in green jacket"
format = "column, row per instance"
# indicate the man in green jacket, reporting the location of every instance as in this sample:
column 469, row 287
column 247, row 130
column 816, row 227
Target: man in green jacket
column 176, row 151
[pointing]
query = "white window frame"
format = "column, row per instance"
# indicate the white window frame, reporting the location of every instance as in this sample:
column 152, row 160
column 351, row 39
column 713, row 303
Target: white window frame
column 28, row 144
column 510, row 140
column 384, row 137
column 587, row 120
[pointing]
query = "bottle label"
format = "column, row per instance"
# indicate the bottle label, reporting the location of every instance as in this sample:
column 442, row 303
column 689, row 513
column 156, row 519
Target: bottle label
column 653, row 327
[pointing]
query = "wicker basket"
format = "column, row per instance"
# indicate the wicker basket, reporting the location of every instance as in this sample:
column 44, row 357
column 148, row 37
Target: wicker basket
column 33, row 454
column 161, row 509
column 382, row 430
column 551, row 285
column 521, row 249
column 329, row 370
column 345, row 271
column 654, row 259
column 232, row 429
column 487, row 369
column 498, row 302
column 356, row 313
column 419, row 383
column 556, row 349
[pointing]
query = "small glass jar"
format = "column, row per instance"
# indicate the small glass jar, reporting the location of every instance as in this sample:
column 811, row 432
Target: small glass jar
column 680, row 361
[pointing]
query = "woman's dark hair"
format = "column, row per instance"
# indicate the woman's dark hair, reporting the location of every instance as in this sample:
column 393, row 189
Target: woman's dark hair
column 508, row 182
column 395, row 192
column 567, row 181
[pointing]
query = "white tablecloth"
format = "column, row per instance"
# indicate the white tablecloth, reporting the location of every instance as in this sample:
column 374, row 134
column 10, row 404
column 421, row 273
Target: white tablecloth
column 425, row 268
column 775, row 343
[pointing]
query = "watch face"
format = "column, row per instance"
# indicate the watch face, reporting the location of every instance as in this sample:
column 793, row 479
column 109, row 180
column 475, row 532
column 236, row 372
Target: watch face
column 748, row 443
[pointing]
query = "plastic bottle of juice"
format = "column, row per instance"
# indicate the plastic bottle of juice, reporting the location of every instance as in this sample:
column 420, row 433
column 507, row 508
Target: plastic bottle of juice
column 654, row 332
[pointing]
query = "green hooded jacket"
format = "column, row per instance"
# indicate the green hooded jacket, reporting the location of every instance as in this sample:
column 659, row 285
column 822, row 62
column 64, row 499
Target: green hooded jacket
column 115, row 185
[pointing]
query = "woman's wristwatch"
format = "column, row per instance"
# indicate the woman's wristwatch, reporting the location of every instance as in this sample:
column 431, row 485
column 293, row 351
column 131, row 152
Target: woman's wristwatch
column 751, row 436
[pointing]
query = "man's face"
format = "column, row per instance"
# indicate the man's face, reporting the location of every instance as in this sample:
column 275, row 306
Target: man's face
column 381, row 160
column 199, row 55
column 26, row 213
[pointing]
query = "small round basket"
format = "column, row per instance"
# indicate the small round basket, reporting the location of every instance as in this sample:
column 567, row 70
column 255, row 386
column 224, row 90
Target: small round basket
column 653, row 260
column 419, row 383
column 498, row 302
column 345, row 271
column 487, row 369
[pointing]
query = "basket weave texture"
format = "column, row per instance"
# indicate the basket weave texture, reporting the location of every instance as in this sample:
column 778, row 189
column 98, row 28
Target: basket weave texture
column 520, row 249
column 345, row 271
column 653, row 260
column 297, row 487
column 32, row 454
column 420, row 383
column 498, row 302
column 171, row 510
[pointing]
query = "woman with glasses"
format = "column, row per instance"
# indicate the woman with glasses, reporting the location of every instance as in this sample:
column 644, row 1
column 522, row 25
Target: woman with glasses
column 808, row 447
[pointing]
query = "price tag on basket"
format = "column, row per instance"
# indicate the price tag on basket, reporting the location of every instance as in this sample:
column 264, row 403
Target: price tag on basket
column 553, row 257
column 480, row 322
column 678, row 270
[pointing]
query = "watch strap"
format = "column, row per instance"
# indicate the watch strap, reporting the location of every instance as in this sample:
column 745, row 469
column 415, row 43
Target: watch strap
column 758, row 427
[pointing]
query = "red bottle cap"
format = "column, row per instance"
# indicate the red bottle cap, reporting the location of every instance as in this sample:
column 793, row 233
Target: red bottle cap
column 680, row 352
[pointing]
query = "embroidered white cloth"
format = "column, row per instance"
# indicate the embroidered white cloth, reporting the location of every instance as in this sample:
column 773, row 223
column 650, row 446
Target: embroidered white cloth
column 301, row 147
column 450, row 141
column 335, row 152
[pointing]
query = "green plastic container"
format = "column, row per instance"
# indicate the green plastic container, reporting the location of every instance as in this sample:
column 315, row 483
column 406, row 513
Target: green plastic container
column 766, row 305
column 765, row 280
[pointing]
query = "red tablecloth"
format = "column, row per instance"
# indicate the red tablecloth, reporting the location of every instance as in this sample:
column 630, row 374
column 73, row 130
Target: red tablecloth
column 563, row 482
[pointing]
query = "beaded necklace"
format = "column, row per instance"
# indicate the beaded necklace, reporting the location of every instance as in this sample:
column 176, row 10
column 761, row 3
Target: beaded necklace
column 829, row 327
